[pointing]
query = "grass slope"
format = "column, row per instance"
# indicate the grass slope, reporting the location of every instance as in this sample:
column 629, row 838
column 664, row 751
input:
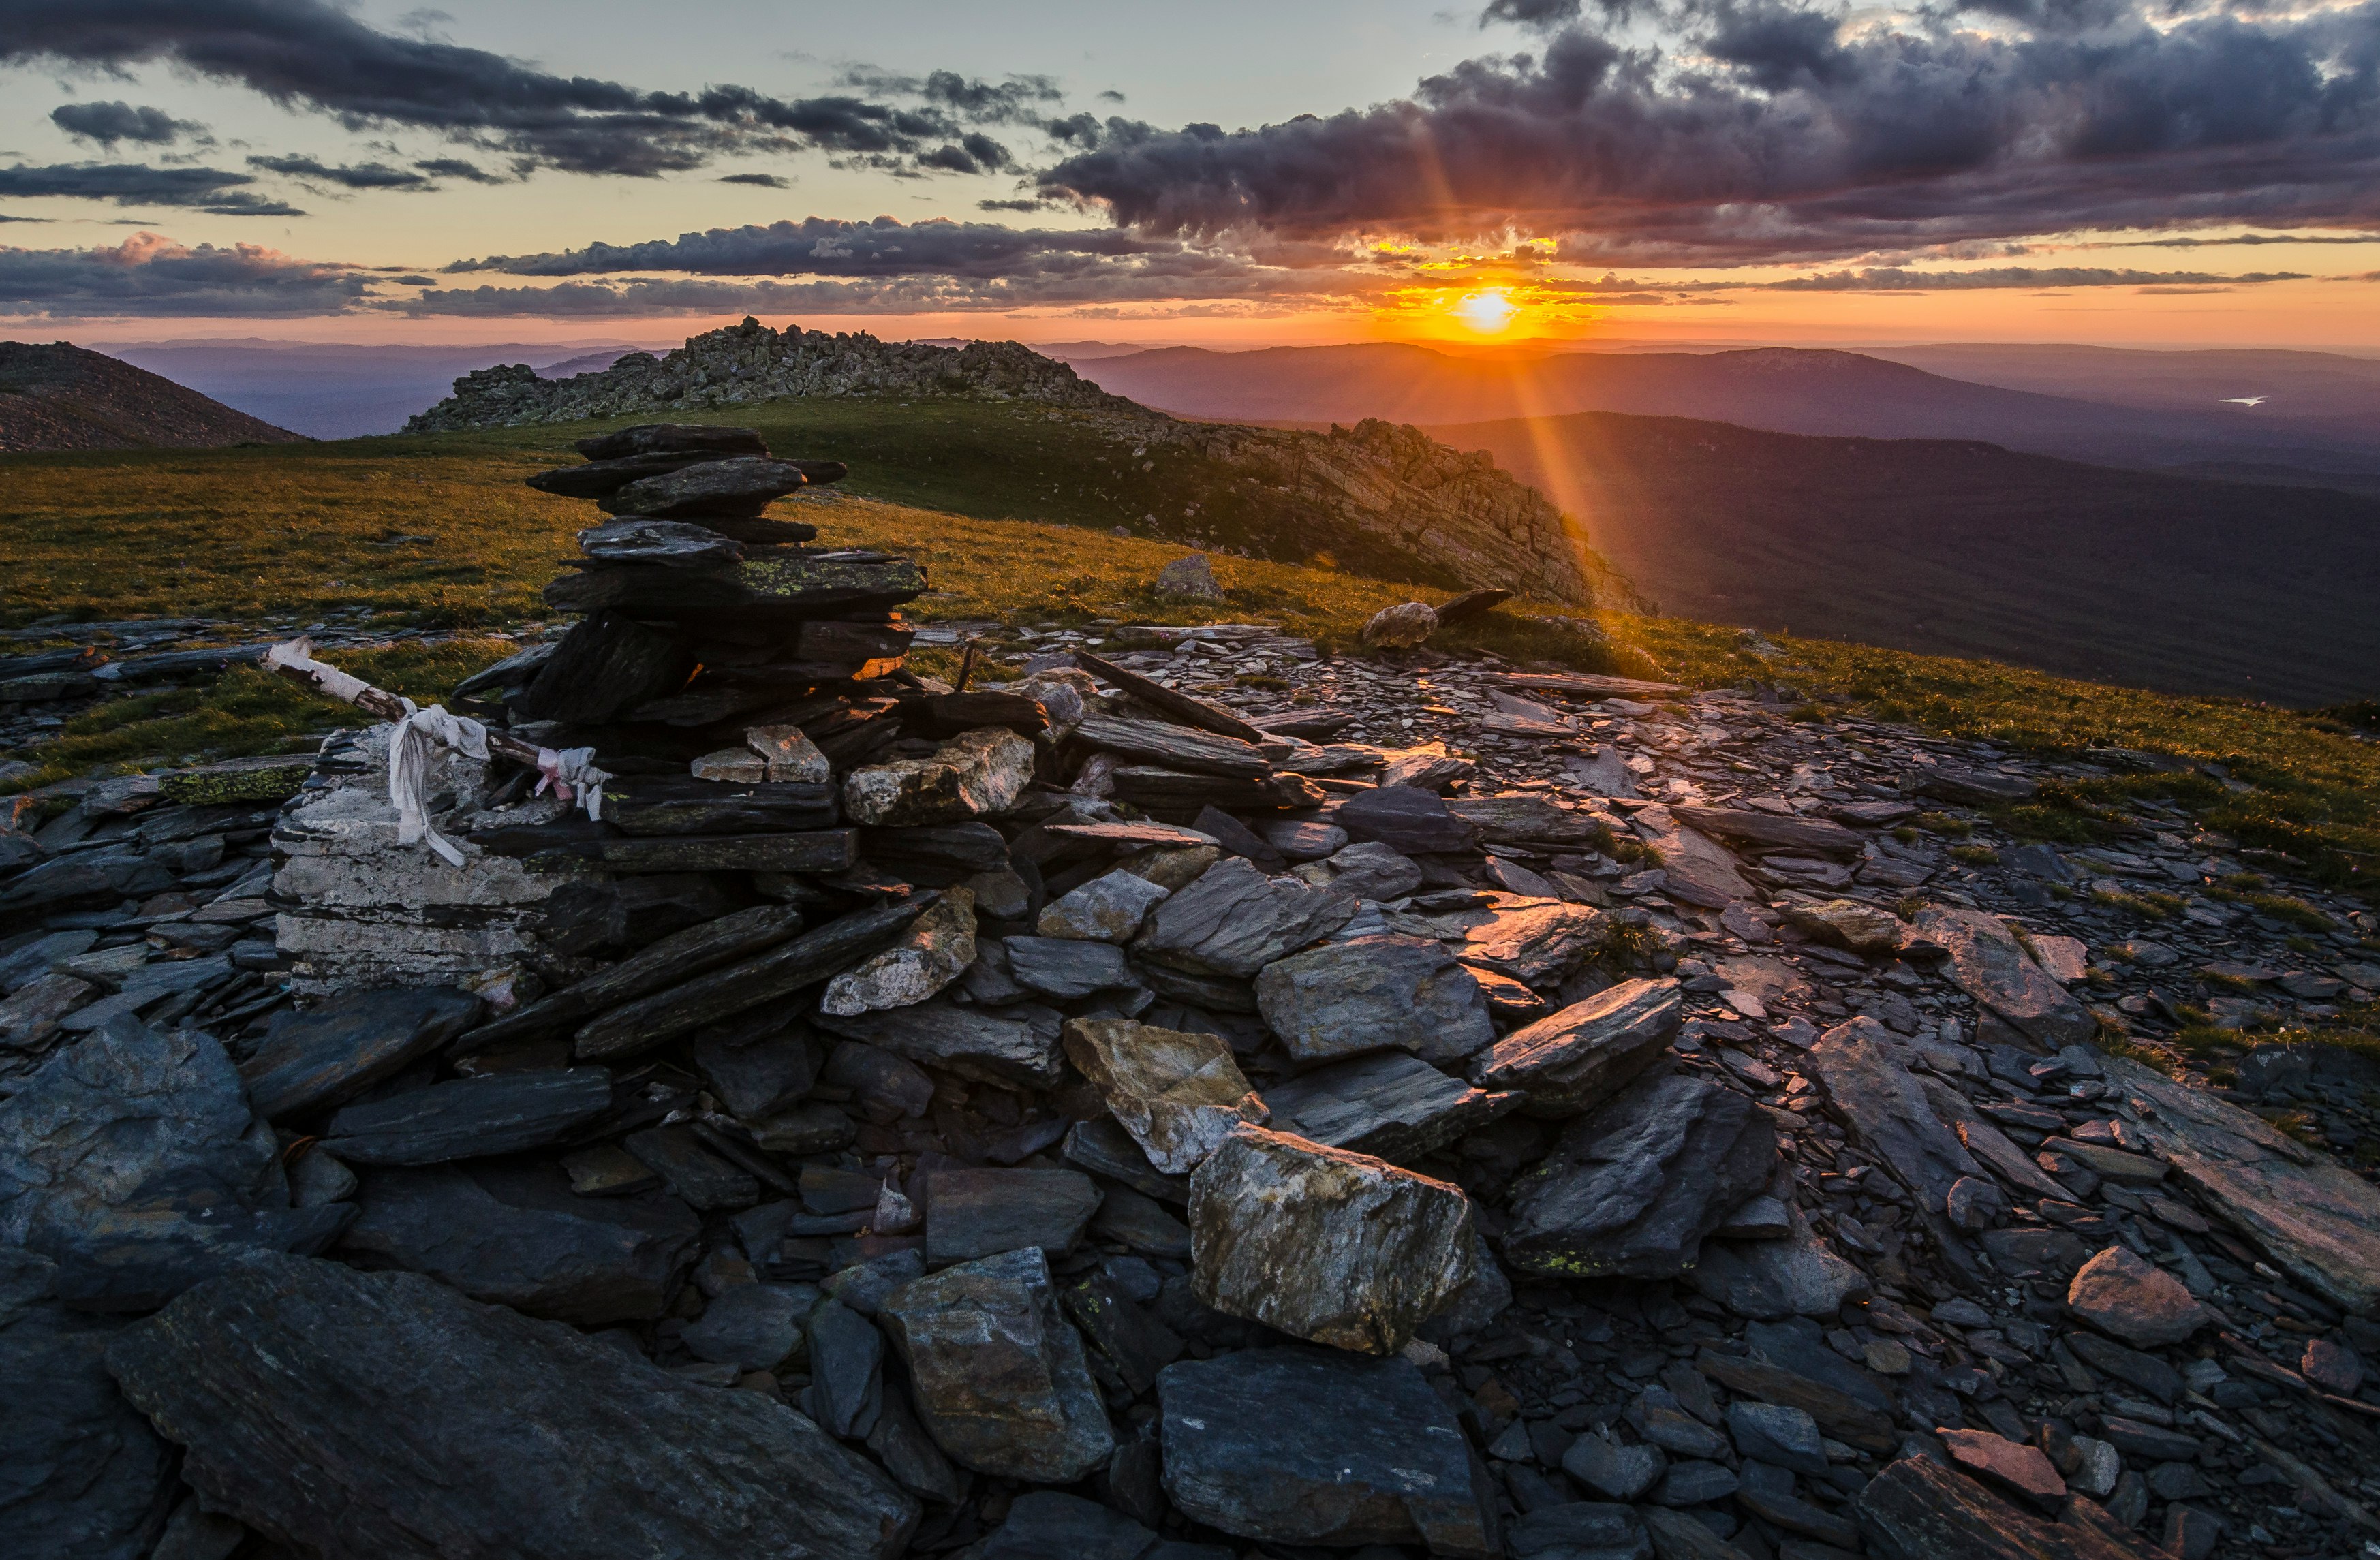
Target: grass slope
column 305, row 528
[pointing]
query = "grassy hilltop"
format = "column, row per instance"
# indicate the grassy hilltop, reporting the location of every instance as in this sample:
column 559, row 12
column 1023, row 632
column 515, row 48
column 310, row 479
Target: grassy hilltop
column 1011, row 509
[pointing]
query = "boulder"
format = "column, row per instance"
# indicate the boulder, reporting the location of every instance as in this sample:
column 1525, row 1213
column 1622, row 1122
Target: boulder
column 757, row 1075
column 1401, row 626
column 999, row 1377
column 1613, row 1468
column 1347, row 997
column 1633, row 1186
column 1017, row 1048
column 1064, row 969
column 973, row 1214
column 1990, row 965
column 515, row 1234
column 1235, row 921
column 1405, row 819
column 1572, row 1060
column 978, row 774
column 469, row 1117
column 1389, row 1104
column 1189, row 578
column 1696, row 869
column 787, row 755
column 1323, row 1244
column 1860, row 1067
column 1768, row 1280
column 935, row 951
column 2119, row 1291
column 327, row 1055
column 1863, row 928
column 1179, row 1094
column 1111, row 908
column 751, row 1326
column 1777, row 1433
column 846, row 1358
column 1917, row 1509
column 379, row 1416
column 1305, row 1445
column 1373, row 871
column 1534, row 941
column 736, row 484
column 131, row 1159
column 85, row 1476
column 2022, row 1469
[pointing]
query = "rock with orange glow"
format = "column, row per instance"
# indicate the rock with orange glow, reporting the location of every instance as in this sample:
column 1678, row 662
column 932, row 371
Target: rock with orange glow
column 1401, row 626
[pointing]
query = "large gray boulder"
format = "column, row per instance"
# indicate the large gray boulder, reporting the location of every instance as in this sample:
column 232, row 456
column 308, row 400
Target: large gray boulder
column 1312, row 1446
column 1633, row 1186
column 1322, row 1244
column 132, row 1160
column 82, row 1477
column 515, row 1234
column 384, row 1417
column 1344, row 998
column 999, row 1377
column 1235, row 921
column 1572, row 1060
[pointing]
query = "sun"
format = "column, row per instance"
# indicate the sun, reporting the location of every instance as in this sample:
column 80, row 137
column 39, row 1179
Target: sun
column 1487, row 312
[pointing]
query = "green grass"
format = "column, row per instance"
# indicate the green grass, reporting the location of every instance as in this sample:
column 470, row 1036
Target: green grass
column 1011, row 512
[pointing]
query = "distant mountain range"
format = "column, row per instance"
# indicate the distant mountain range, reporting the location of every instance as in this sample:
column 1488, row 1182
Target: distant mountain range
column 1963, row 548
column 1786, row 390
column 61, row 397
column 330, row 390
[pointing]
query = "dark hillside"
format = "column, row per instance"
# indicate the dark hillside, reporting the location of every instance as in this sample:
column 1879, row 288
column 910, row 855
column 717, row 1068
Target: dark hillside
column 61, row 397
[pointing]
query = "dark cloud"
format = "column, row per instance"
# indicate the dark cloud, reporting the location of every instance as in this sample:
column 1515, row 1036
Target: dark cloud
column 1018, row 99
column 2239, row 238
column 1761, row 130
column 132, row 184
column 763, row 181
column 823, row 247
column 456, row 168
column 149, row 276
column 1893, row 280
column 352, row 175
column 1530, row 13
column 313, row 54
column 108, row 123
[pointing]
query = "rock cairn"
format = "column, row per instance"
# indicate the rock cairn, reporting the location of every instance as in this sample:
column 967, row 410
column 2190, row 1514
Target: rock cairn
column 1455, row 1110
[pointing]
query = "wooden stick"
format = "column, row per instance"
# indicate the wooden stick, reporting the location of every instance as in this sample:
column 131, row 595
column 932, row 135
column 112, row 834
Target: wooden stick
column 966, row 663
column 296, row 659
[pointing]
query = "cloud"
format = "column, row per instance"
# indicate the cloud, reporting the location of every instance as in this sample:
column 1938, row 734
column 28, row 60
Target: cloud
column 316, row 55
column 108, row 123
column 150, row 276
column 456, row 168
column 1895, row 280
column 763, row 181
column 133, row 184
column 354, row 176
column 826, row 246
column 1765, row 130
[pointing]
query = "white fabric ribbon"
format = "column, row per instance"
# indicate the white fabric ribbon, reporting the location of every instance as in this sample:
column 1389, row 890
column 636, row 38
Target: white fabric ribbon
column 572, row 772
column 410, row 750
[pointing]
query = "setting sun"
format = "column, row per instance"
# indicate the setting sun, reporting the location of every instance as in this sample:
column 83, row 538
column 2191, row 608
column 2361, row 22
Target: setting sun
column 1487, row 311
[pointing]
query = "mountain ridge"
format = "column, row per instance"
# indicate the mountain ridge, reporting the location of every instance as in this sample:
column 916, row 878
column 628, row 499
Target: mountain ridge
column 60, row 396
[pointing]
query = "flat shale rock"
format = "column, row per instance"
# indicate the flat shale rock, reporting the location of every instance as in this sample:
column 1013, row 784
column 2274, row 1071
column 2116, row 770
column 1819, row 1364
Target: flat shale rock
column 661, row 806
column 1337, row 1248
column 936, row 950
column 131, row 1159
column 1768, row 1280
column 759, row 1076
column 1521, row 819
column 978, row 774
column 1632, row 1187
column 1770, row 831
column 1045, row 1525
column 327, row 1055
column 1863, row 928
column 515, row 1234
column 1373, row 871
column 1017, row 1047
column 1235, row 921
column 1065, row 969
column 764, row 590
column 2315, row 1219
column 1917, row 1509
column 751, row 1326
column 381, row 1417
column 1406, row 819
column 1347, row 997
column 1178, row 1094
column 1174, row 795
column 1168, row 746
column 1698, row 869
column 1109, row 908
column 1000, row 1378
column 85, row 1476
column 1886, row 1105
column 1311, row 1446
column 1389, row 1104
column 1572, row 1060
column 666, row 543
column 469, row 1117
column 739, row 485
column 974, row 1214
column 2121, row 1292
column 705, row 440
column 1534, row 941
column 1991, row 966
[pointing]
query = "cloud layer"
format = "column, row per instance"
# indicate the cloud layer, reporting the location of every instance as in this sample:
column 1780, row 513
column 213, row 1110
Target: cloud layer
column 132, row 184
column 149, row 276
column 1767, row 130
column 311, row 54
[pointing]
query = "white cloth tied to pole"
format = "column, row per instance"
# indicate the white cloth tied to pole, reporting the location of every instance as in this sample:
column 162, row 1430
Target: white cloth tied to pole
column 410, row 750
column 571, row 773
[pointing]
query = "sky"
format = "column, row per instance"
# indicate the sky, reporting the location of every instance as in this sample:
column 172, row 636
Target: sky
column 2148, row 173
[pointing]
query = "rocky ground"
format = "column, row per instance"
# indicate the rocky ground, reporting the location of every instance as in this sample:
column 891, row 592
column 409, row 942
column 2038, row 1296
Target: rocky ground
column 1471, row 1110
